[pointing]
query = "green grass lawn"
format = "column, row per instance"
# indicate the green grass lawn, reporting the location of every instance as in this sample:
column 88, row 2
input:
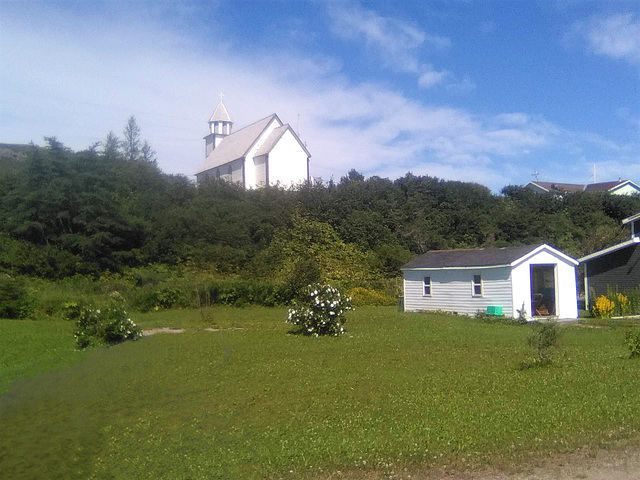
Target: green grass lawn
column 30, row 347
column 250, row 401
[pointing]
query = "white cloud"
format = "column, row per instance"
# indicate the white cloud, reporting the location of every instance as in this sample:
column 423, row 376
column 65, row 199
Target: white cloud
column 431, row 78
column 396, row 43
column 615, row 36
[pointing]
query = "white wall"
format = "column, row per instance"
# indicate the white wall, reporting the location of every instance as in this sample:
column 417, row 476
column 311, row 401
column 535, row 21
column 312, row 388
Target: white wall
column 566, row 291
column 287, row 162
column 250, row 167
column 451, row 290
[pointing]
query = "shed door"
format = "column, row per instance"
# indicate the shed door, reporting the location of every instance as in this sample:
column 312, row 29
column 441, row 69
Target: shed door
column 543, row 290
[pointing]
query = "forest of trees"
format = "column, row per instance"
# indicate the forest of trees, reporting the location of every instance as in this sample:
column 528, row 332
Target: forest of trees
column 110, row 207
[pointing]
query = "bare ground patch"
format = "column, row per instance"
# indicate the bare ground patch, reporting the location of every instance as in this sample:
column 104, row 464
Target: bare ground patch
column 583, row 464
column 153, row 331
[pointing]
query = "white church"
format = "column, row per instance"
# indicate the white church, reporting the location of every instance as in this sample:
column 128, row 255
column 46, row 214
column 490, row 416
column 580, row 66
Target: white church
column 266, row 152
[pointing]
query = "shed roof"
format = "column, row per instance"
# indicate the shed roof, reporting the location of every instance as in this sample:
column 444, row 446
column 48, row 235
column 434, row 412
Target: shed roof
column 480, row 257
column 473, row 257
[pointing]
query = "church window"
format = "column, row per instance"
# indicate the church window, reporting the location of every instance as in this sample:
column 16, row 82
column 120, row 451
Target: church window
column 218, row 173
column 229, row 172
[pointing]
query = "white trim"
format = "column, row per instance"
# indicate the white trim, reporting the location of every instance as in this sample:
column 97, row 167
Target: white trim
column 613, row 248
column 622, row 184
column 631, row 218
column 424, row 284
column 543, row 247
column 539, row 186
column 586, row 288
column 473, row 286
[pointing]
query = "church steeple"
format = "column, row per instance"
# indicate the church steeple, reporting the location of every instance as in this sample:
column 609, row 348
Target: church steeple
column 219, row 127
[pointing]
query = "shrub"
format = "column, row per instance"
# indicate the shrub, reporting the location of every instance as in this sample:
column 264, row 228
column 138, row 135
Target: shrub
column 603, row 307
column 104, row 326
column 634, row 300
column 320, row 311
column 623, row 305
column 361, row 296
column 544, row 338
column 633, row 343
column 15, row 302
column 244, row 292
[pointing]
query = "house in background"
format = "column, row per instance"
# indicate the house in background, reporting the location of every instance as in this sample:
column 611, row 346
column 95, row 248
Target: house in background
column 266, row 152
column 621, row 187
column 538, row 277
column 615, row 268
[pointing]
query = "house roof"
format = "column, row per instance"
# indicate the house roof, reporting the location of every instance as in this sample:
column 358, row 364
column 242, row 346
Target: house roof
column 220, row 114
column 605, row 186
column 630, row 219
column 237, row 144
column 479, row 257
column 608, row 250
column 558, row 187
column 574, row 187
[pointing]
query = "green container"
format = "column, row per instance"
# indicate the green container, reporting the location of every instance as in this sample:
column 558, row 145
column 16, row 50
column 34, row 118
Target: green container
column 494, row 311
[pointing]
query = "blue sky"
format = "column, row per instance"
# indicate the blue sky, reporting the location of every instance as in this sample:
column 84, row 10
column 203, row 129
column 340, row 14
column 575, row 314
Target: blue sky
column 484, row 91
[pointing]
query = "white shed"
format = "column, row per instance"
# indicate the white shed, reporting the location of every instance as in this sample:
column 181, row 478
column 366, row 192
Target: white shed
column 540, row 277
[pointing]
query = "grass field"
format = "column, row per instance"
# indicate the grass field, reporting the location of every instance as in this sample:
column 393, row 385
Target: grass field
column 250, row 401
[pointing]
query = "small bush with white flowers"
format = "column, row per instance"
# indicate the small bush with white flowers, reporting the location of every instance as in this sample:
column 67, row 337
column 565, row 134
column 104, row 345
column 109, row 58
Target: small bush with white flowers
column 106, row 326
column 320, row 310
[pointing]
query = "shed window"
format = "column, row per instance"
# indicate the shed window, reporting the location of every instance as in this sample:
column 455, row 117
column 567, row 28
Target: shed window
column 477, row 285
column 427, row 286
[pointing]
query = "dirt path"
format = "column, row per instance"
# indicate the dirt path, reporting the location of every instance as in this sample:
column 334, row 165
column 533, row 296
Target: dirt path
column 586, row 464
column 153, row 331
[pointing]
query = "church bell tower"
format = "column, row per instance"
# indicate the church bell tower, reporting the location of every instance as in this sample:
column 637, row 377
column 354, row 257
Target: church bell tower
column 219, row 127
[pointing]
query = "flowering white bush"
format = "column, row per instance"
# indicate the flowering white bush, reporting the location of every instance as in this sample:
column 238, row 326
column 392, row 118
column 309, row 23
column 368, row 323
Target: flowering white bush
column 320, row 310
column 106, row 326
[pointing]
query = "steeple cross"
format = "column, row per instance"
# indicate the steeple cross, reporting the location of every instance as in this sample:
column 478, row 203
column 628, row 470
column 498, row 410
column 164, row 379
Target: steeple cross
column 221, row 96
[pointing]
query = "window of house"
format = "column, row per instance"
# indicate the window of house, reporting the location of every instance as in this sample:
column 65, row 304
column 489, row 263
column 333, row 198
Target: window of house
column 477, row 285
column 229, row 171
column 218, row 174
column 427, row 286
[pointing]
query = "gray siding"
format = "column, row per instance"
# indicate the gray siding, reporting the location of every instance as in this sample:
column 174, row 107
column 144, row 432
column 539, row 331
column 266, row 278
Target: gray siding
column 261, row 170
column 617, row 271
column 451, row 290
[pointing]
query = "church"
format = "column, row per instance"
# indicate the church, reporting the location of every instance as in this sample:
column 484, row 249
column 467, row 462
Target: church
column 267, row 152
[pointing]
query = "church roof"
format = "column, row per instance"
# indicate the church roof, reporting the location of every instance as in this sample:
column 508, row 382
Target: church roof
column 276, row 135
column 237, row 145
column 271, row 141
column 220, row 114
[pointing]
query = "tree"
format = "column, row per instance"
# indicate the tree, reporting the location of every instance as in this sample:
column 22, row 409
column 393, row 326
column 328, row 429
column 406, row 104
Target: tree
column 147, row 153
column 111, row 146
column 131, row 142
